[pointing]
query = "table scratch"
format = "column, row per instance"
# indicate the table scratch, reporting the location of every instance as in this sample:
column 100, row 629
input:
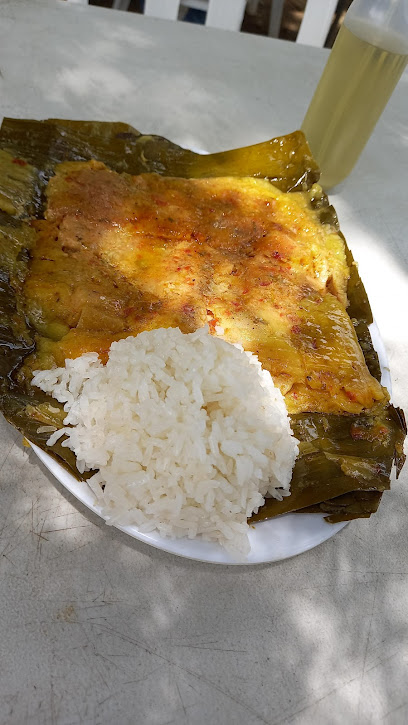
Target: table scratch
column 363, row 672
column 394, row 709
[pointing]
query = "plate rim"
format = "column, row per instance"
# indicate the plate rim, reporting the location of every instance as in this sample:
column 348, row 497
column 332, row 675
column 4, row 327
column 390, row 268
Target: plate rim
column 219, row 554
column 175, row 546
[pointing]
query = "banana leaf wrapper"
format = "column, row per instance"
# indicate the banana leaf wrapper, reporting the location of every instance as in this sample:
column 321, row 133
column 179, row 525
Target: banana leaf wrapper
column 345, row 461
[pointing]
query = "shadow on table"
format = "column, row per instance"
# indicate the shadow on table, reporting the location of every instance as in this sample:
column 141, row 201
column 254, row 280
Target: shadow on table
column 121, row 628
column 182, row 83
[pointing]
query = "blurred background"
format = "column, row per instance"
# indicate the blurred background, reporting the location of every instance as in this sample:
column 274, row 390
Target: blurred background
column 258, row 22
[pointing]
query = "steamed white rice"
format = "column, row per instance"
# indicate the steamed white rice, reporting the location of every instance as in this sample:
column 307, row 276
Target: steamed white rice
column 188, row 433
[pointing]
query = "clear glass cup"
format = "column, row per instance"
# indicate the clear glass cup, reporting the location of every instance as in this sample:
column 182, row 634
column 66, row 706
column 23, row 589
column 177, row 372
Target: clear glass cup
column 364, row 66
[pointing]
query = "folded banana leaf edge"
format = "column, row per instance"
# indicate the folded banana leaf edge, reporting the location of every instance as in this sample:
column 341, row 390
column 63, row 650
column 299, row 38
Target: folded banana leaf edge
column 345, row 461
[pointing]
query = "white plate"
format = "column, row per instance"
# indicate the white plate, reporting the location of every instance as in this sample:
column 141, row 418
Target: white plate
column 271, row 540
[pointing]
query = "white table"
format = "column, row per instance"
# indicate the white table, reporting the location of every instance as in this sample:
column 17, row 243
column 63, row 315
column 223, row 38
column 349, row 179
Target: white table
column 101, row 629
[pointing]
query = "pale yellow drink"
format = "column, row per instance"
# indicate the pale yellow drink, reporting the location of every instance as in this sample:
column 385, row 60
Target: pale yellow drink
column 361, row 73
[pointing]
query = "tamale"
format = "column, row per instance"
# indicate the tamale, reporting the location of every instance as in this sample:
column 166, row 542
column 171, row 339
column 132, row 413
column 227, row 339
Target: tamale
column 347, row 448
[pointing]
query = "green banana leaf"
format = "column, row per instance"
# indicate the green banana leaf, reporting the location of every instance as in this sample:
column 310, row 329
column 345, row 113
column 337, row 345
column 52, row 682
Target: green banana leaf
column 345, row 461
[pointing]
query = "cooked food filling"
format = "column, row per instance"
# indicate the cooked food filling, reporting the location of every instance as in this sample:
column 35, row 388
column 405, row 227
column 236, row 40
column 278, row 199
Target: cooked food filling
column 119, row 254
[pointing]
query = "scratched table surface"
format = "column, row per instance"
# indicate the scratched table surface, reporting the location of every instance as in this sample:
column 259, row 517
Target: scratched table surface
column 99, row 628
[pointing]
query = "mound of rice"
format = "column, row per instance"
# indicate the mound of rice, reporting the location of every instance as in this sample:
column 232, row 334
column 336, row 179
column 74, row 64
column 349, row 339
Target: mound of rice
column 188, row 433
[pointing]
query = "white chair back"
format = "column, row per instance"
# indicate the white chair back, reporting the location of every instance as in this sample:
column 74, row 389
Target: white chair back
column 229, row 14
column 226, row 14
column 315, row 25
column 317, row 19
